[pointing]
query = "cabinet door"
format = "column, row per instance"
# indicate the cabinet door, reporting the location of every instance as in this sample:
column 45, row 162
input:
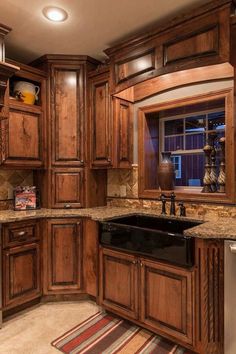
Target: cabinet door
column 23, row 137
column 67, row 111
column 21, row 275
column 67, row 188
column 167, row 300
column 119, row 283
column 63, row 257
column 123, row 133
column 100, row 122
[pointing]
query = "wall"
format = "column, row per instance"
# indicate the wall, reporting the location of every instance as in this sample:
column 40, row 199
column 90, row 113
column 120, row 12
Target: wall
column 122, row 189
column 9, row 179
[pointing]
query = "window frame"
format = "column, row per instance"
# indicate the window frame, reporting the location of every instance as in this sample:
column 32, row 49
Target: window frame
column 192, row 194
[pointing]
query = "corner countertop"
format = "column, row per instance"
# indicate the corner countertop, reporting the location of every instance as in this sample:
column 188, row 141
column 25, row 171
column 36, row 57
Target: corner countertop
column 224, row 228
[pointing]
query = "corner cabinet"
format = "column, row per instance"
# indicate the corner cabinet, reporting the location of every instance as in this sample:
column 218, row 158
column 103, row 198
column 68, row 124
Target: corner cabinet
column 63, row 257
column 67, row 114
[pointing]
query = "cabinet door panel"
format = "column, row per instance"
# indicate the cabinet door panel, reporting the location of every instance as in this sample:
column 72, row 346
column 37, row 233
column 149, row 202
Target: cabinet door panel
column 167, row 299
column 67, row 187
column 118, row 283
column 100, row 121
column 64, row 256
column 21, row 275
column 124, row 133
column 24, row 140
column 67, row 113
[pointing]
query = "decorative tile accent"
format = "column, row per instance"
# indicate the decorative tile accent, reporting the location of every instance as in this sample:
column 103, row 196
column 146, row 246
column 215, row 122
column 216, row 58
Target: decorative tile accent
column 9, row 179
column 122, row 191
column 123, row 183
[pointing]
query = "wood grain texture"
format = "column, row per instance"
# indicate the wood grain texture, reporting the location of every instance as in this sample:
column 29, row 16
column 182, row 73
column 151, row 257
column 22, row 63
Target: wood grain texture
column 67, row 188
column 209, row 296
column 22, row 232
column 63, row 257
column 167, row 299
column 100, row 121
column 123, row 133
column 90, row 259
column 67, row 115
column 194, row 41
column 21, row 275
column 118, row 289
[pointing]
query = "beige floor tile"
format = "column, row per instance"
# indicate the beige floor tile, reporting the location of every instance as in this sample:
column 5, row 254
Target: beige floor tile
column 32, row 331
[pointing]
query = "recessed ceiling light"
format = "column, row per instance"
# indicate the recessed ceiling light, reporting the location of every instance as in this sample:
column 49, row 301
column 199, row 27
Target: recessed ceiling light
column 55, row 14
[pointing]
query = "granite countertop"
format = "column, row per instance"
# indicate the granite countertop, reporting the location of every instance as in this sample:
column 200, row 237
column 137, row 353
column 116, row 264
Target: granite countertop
column 221, row 229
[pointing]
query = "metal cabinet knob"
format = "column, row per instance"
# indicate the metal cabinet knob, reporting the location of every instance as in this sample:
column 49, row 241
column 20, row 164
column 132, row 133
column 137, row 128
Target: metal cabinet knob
column 67, row 206
column 233, row 248
column 21, row 233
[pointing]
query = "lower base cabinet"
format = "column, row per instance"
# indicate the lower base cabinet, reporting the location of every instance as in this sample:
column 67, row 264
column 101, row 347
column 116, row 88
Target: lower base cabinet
column 63, row 257
column 166, row 299
column 119, row 283
column 157, row 295
column 21, row 263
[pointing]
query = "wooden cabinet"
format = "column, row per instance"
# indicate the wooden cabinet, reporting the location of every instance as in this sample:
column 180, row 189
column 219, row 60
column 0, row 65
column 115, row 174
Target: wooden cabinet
column 67, row 188
column 196, row 39
column 21, row 275
column 111, row 125
column 63, row 257
column 21, row 263
column 23, row 140
column 67, row 114
column 123, row 133
column 166, row 299
column 119, row 283
column 159, row 296
column 101, row 120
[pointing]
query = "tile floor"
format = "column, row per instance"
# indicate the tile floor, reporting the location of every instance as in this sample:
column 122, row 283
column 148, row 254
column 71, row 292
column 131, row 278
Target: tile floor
column 32, row 331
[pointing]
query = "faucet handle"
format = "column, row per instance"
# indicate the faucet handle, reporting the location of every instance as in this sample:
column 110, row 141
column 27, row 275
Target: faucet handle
column 182, row 209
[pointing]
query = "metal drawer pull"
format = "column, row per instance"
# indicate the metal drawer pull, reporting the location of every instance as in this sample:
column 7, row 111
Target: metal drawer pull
column 134, row 262
column 233, row 248
column 21, row 233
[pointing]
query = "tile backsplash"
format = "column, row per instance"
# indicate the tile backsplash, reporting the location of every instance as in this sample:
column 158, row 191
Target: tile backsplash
column 9, row 179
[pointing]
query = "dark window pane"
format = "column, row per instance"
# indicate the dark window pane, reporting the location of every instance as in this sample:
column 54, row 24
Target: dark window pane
column 195, row 124
column 173, row 143
column 216, row 121
column 173, row 127
column 194, row 141
column 192, row 170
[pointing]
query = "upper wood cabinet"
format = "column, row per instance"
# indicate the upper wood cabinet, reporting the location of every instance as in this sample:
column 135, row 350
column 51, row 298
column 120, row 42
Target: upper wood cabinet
column 67, row 115
column 23, row 141
column 196, row 39
column 67, row 82
column 101, row 121
column 123, row 133
column 111, row 125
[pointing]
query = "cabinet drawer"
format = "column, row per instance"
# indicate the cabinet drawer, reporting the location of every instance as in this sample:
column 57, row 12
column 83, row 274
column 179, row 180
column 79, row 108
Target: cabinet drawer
column 18, row 233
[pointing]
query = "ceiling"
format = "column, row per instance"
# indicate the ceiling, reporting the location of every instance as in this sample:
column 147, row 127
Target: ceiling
column 92, row 26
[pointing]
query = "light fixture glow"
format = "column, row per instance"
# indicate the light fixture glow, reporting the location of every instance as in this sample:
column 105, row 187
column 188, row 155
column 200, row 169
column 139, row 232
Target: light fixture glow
column 55, row 14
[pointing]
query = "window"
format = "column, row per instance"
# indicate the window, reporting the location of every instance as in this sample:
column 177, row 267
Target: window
column 176, row 160
column 184, row 132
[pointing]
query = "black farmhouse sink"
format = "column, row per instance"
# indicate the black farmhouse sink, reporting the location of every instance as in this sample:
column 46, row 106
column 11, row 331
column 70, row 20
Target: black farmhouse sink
column 157, row 237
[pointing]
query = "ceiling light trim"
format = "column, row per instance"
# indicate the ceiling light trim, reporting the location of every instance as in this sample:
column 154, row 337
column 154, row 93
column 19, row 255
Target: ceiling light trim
column 55, row 14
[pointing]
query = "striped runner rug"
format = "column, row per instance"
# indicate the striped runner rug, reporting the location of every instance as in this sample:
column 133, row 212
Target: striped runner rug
column 103, row 333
